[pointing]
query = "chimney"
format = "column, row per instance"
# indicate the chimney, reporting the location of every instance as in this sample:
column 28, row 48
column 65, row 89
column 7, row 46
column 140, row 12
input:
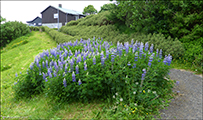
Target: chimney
column 60, row 5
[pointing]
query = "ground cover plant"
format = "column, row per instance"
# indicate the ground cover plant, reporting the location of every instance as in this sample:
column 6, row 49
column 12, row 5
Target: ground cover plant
column 131, row 75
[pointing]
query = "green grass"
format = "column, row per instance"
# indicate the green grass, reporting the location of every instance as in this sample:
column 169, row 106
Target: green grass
column 17, row 59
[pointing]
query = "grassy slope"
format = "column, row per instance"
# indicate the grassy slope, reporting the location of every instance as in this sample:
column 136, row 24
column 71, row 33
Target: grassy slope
column 20, row 58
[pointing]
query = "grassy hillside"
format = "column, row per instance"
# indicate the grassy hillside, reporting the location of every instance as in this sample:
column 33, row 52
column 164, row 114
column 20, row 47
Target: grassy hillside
column 99, row 26
column 16, row 58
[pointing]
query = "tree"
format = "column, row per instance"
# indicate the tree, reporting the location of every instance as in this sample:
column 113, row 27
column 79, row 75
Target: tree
column 107, row 7
column 89, row 9
column 2, row 19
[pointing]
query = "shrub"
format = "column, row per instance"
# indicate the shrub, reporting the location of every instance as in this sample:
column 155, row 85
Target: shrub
column 11, row 30
column 108, row 32
column 87, row 70
column 34, row 28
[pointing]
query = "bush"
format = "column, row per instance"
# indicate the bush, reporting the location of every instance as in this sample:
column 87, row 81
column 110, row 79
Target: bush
column 108, row 32
column 58, row 36
column 87, row 70
column 12, row 30
column 34, row 28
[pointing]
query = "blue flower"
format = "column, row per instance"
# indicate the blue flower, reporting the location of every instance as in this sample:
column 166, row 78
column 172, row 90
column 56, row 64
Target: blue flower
column 44, row 76
column 160, row 53
column 55, row 74
column 134, row 65
column 136, row 56
column 16, row 75
column 77, row 69
column 151, row 48
column 64, row 82
column 79, row 82
column 128, row 64
column 102, row 60
column 73, row 77
column 112, row 57
column 94, row 60
column 143, row 74
column 85, row 66
column 46, row 80
column 146, row 46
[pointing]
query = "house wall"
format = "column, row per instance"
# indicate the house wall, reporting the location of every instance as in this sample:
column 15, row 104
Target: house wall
column 37, row 21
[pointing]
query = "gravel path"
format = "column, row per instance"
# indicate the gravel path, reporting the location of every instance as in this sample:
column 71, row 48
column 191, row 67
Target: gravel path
column 188, row 104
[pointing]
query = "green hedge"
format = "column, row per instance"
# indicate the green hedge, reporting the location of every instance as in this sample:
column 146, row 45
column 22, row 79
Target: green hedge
column 59, row 37
column 12, row 30
column 108, row 32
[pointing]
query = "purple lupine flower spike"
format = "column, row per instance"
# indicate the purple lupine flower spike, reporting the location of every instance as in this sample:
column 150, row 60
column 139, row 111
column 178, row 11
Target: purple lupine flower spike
column 134, row 65
column 46, row 80
column 73, row 77
column 136, row 56
column 79, row 82
column 64, row 82
column 151, row 48
column 128, row 64
column 16, row 75
column 77, row 69
column 85, row 66
column 94, row 60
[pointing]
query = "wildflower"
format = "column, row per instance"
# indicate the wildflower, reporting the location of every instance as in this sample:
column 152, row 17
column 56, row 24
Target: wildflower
column 16, row 75
column 124, row 105
column 79, row 82
column 46, row 80
column 126, row 81
column 87, row 73
column 148, row 90
column 112, row 58
column 77, row 69
column 146, row 46
column 143, row 91
column 117, row 102
column 73, row 77
column 134, row 65
column 102, row 61
column 20, row 72
column 114, row 96
column 134, row 92
column 135, row 104
column 94, row 60
column 151, row 48
column 178, row 91
column 64, row 82
column 129, row 113
column 121, row 99
column 136, row 56
column 128, row 64
column 116, row 93
column 160, row 53
column 154, row 92
column 133, row 112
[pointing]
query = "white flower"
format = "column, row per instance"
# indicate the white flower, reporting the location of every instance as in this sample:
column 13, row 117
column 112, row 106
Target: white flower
column 134, row 92
column 148, row 90
column 126, row 76
column 117, row 102
column 135, row 104
column 121, row 99
column 136, row 83
column 126, row 81
column 87, row 73
column 114, row 96
column 116, row 93
column 154, row 92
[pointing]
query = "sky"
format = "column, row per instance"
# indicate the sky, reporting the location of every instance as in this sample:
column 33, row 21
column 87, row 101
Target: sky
column 28, row 10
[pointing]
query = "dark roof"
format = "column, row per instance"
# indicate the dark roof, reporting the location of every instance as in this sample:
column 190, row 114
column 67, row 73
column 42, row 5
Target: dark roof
column 73, row 12
column 34, row 19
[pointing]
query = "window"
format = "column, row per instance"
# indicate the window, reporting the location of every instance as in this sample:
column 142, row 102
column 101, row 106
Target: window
column 76, row 17
column 39, row 23
column 34, row 23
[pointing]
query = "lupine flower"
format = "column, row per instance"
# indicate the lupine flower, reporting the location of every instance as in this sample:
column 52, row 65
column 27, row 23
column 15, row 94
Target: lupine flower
column 16, row 75
column 40, row 73
column 143, row 75
column 16, row 82
column 94, row 60
column 128, row 64
column 134, row 65
column 55, row 74
column 169, row 59
column 151, row 48
column 77, row 69
column 146, row 46
column 73, row 77
column 44, row 76
column 102, row 60
column 64, row 82
column 136, row 56
column 160, row 53
column 79, row 82
column 46, row 80
column 31, row 66
column 112, row 57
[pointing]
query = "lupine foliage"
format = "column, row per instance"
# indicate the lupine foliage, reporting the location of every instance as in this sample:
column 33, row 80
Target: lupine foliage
column 87, row 70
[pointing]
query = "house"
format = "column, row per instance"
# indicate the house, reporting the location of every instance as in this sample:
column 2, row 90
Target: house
column 50, row 16
column 36, row 22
